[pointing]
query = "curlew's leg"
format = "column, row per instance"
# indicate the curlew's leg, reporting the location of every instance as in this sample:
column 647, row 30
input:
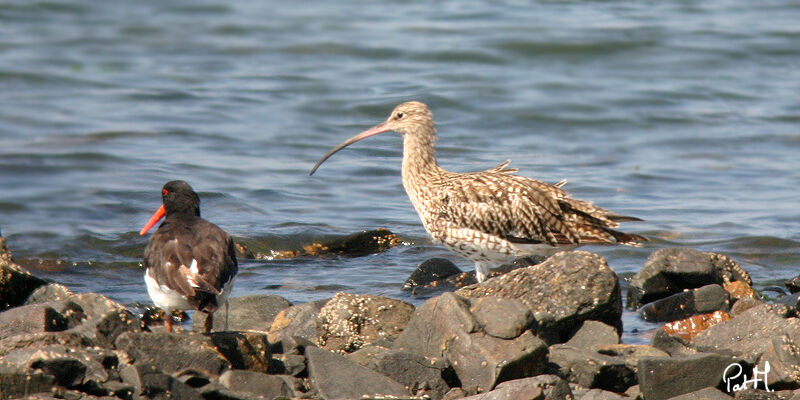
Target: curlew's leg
column 209, row 322
column 168, row 322
column 481, row 270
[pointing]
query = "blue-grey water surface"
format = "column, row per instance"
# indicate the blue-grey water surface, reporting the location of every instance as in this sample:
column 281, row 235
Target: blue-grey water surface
column 686, row 114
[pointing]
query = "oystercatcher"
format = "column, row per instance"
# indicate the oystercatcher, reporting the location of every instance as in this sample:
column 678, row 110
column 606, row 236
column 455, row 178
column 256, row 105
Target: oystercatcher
column 191, row 263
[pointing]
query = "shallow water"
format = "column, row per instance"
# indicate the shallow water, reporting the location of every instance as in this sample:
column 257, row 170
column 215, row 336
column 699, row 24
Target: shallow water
column 683, row 114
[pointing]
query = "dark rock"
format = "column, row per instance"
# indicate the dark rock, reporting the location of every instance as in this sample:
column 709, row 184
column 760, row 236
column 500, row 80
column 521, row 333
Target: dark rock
column 599, row 394
column 749, row 334
column 429, row 271
column 174, row 353
column 70, row 367
column 610, row 367
column 745, row 304
column 365, row 354
column 709, row 393
column 422, row 376
column 464, row 279
column 37, row 318
column 562, row 292
column 666, row 377
column 791, row 300
column 355, row 245
column 702, row 300
column 244, row 350
column 444, row 327
column 544, row 387
column 26, row 341
column 670, row 271
column 256, row 383
column 16, row 284
column 247, row 313
column 783, row 358
column 335, row 377
column 593, row 333
column 152, row 383
column 671, row 344
column 454, row 393
column 502, row 317
column 297, row 321
column 288, row 364
column 349, row 321
column 793, row 284
column 105, row 329
column 20, row 383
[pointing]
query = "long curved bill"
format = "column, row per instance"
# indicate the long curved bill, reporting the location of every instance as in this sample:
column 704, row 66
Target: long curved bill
column 153, row 220
column 380, row 128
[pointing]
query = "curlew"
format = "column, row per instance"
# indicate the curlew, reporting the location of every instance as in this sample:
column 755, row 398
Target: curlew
column 190, row 262
column 492, row 216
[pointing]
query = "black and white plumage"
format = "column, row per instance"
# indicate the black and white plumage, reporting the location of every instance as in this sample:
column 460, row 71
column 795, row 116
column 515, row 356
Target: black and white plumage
column 190, row 262
column 490, row 216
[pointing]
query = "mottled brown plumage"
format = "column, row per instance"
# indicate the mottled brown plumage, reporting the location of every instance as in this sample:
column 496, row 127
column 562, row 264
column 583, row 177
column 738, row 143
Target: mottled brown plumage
column 490, row 216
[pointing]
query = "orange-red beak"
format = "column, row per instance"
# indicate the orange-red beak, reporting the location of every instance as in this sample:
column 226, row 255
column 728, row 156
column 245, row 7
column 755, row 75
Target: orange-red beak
column 153, row 220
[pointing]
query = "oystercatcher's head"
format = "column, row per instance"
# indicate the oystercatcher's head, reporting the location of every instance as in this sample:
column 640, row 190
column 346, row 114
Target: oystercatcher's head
column 178, row 198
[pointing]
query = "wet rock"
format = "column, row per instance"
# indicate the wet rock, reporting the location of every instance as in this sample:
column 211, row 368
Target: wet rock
column 36, row 318
column 562, row 292
column 791, row 300
column 247, row 313
column 673, row 345
column 174, row 353
column 244, row 350
column 709, row 393
column 593, row 333
column 749, row 334
column 256, row 383
column 349, row 321
column 702, row 300
column 670, row 271
column 150, row 382
column 608, row 367
column 502, row 317
column 297, row 321
column 20, row 383
column 421, row 375
column 444, row 327
column 355, row 245
column 464, row 279
column 666, row 377
column 783, row 358
column 70, row 367
column 429, row 271
column 549, row 387
column 16, row 284
column 793, row 284
column 335, row 377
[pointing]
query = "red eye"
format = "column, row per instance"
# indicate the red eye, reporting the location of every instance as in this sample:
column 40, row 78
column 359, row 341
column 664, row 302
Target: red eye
column 164, row 192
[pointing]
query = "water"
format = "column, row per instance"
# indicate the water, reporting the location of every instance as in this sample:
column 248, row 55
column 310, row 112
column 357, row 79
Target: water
column 680, row 113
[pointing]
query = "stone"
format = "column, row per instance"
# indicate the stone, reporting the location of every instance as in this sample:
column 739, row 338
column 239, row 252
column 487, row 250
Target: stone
column 421, row 375
column 591, row 369
column 365, row 354
column 16, row 283
column 357, row 244
column 502, row 317
column 593, row 333
column 21, row 383
column 247, row 313
column 790, row 300
column 69, row 366
column 739, row 290
column 709, row 393
column 783, row 358
column 562, row 292
column 688, row 328
column 150, row 382
column 670, row 271
column 28, row 341
column 349, row 321
column 288, row 364
column 297, row 321
column 174, row 353
column 666, row 377
column 37, row 318
column 682, row 305
column 544, row 387
column 673, row 345
column 244, row 350
column 256, row 383
column 335, row 377
column 745, row 304
column 759, row 394
column 793, row 284
column 443, row 327
column 599, row 394
column 749, row 334
column 430, row 271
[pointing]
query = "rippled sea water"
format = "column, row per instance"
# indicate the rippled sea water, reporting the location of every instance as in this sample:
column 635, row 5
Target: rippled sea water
column 684, row 114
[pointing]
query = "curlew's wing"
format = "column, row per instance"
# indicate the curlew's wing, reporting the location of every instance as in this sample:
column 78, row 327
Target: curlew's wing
column 523, row 210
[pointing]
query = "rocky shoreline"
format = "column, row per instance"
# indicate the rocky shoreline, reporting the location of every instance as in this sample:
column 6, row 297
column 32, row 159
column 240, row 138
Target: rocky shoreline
column 539, row 329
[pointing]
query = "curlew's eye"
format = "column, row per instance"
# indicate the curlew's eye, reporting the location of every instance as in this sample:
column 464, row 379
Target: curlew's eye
column 399, row 115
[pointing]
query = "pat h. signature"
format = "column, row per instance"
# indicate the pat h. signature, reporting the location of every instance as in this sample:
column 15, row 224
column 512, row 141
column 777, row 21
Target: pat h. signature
column 734, row 371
